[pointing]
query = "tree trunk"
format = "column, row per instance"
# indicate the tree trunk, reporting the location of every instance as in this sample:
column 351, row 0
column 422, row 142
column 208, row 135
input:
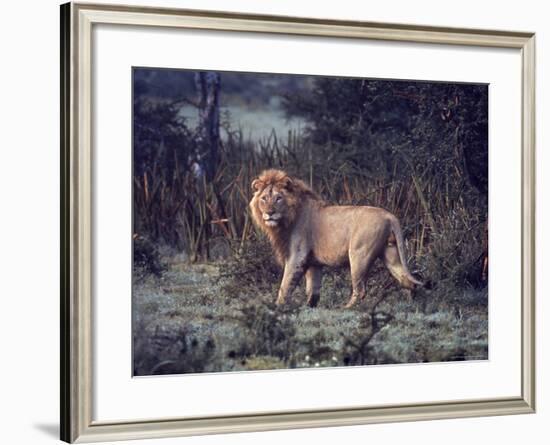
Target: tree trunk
column 208, row 87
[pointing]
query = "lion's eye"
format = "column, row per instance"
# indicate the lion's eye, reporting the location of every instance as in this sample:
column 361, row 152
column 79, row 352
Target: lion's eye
column 263, row 199
column 278, row 199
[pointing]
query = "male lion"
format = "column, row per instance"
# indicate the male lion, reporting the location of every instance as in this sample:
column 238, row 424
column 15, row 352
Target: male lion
column 306, row 234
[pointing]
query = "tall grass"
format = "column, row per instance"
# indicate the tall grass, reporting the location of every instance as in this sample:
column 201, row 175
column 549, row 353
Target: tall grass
column 209, row 220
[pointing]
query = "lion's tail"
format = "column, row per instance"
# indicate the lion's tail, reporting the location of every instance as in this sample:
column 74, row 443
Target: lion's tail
column 396, row 229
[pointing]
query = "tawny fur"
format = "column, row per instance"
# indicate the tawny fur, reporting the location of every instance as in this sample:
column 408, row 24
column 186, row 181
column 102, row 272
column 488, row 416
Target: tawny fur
column 307, row 234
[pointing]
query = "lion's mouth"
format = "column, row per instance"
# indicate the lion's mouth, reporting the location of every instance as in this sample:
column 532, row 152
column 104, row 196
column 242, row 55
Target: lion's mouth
column 271, row 220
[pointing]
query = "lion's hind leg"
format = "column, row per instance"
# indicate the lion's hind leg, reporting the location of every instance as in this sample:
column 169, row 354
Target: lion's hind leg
column 313, row 285
column 360, row 264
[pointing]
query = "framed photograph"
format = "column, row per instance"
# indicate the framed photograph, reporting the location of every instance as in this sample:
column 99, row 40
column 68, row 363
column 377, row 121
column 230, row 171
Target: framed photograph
column 275, row 222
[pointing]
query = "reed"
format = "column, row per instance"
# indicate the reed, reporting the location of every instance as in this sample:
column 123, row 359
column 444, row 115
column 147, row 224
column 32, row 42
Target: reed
column 210, row 220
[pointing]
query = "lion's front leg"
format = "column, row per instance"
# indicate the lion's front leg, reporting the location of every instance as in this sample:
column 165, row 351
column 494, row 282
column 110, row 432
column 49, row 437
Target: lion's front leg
column 293, row 273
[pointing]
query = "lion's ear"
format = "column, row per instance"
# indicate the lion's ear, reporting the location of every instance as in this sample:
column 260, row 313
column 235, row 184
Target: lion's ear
column 257, row 184
column 288, row 183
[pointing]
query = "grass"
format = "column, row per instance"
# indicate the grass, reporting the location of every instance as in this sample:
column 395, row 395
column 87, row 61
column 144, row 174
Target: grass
column 190, row 319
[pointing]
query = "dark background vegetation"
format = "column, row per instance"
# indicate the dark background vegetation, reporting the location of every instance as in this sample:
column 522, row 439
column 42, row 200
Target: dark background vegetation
column 204, row 277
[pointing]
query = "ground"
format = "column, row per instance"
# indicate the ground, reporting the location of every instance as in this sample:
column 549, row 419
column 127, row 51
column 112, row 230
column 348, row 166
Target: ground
column 196, row 317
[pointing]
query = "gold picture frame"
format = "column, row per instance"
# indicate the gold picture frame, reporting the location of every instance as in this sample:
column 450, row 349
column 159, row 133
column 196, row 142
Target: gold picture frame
column 77, row 21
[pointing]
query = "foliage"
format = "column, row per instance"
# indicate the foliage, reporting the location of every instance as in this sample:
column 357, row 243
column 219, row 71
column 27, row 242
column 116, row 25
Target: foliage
column 146, row 257
column 172, row 351
column 270, row 331
column 251, row 266
column 434, row 129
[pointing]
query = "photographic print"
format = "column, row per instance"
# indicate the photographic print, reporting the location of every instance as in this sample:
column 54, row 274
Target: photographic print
column 285, row 221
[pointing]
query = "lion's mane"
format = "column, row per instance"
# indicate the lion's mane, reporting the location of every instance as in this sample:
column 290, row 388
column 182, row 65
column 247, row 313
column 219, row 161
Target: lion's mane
column 298, row 195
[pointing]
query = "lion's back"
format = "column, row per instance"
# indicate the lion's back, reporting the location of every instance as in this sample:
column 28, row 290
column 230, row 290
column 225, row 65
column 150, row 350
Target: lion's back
column 336, row 228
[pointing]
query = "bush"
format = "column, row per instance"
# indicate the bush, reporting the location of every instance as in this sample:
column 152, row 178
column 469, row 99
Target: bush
column 172, row 352
column 270, row 331
column 146, row 257
column 253, row 268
